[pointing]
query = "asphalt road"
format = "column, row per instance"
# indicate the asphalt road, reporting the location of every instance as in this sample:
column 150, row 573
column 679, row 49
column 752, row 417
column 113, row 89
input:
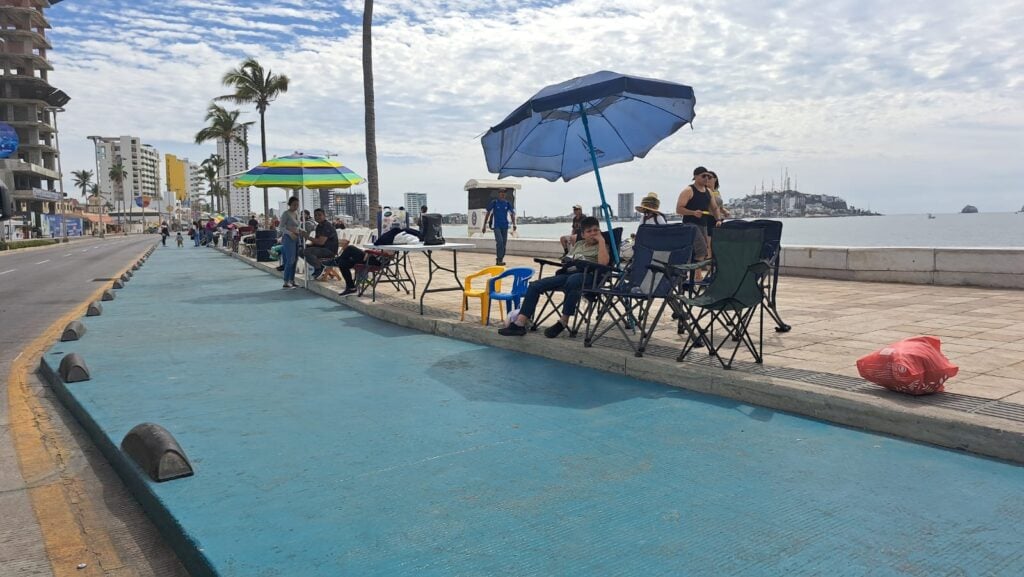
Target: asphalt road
column 37, row 287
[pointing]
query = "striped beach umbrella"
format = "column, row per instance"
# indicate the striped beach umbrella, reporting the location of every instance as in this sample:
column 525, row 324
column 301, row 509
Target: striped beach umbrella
column 299, row 171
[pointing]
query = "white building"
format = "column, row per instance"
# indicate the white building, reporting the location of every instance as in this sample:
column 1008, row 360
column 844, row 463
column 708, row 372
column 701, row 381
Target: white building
column 196, row 180
column 413, row 202
column 141, row 163
column 236, row 157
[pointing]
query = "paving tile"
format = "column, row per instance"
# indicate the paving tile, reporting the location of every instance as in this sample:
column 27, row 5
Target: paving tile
column 1014, row 371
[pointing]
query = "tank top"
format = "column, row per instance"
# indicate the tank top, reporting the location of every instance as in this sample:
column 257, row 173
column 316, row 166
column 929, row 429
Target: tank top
column 699, row 201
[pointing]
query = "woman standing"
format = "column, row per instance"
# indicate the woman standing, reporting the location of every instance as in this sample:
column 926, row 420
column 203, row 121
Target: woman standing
column 716, row 195
column 291, row 234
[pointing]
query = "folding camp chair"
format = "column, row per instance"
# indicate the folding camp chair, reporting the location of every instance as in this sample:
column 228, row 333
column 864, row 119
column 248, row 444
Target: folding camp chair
column 600, row 275
column 731, row 299
column 627, row 303
column 771, row 254
column 380, row 267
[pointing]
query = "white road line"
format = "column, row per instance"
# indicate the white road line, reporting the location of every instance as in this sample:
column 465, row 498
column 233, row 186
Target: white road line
column 43, row 261
column 7, row 271
column 19, row 355
column 68, row 254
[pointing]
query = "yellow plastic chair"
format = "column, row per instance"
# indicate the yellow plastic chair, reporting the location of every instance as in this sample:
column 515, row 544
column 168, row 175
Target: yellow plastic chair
column 481, row 293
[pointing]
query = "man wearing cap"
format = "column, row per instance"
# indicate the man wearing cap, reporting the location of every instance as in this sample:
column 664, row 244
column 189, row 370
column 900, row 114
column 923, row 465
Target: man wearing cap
column 649, row 210
column 697, row 205
column 570, row 239
column 500, row 211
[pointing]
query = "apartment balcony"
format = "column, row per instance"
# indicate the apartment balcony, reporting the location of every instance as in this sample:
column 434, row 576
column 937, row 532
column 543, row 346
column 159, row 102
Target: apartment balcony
column 37, row 39
column 22, row 17
column 27, row 61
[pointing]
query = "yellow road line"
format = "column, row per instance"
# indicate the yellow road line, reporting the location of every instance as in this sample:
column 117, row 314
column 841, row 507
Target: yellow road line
column 72, row 532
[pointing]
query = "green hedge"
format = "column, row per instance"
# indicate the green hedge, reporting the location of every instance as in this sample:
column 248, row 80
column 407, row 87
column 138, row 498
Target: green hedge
column 16, row 244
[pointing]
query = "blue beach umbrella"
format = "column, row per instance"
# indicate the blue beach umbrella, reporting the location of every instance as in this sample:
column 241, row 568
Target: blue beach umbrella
column 579, row 125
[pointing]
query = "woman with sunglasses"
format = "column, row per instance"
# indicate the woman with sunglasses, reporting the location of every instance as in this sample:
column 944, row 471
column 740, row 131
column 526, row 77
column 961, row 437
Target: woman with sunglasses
column 697, row 205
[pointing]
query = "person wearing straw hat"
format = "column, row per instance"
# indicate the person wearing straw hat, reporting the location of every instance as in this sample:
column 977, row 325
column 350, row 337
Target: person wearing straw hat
column 649, row 210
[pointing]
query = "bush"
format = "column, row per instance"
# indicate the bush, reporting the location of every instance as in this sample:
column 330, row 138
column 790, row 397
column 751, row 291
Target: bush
column 16, row 244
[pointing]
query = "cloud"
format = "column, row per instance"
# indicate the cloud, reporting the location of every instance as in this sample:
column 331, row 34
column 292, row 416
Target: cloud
column 832, row 91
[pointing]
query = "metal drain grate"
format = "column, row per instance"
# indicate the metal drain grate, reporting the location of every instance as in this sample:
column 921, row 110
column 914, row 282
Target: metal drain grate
column 1011, row 411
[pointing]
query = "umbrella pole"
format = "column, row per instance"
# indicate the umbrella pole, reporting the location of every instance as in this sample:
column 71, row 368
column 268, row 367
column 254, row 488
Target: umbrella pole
column 606, row 209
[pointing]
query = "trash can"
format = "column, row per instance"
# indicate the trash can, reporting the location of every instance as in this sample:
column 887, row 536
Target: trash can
column 265, row 239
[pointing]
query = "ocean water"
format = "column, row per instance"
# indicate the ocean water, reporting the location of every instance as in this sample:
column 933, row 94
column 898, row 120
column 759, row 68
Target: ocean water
column 898, row 230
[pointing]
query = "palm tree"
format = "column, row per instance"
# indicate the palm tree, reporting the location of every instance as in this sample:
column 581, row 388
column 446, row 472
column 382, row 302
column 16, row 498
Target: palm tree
column 117, row 175
column 370, row 116
column 82, row 179
column 253, row 85
column 211, row 168
column 223, row 126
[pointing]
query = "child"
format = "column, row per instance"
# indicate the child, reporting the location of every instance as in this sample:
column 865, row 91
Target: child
column 181, row 241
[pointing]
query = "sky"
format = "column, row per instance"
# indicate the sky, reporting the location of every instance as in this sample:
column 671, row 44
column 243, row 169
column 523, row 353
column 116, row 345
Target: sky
column 899, row 107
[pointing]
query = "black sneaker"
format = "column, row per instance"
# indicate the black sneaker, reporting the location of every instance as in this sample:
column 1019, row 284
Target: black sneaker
column 280, row 268
column 513, row 330
column 318, row 273
column 499, row 263
column 554, row 330
column 347, row 291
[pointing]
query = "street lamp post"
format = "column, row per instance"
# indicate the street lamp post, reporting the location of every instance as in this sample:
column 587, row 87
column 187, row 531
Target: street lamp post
column 60, row 173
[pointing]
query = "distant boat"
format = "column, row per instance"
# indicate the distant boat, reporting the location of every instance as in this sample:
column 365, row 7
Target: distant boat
column 969, row 209
column 931, row 216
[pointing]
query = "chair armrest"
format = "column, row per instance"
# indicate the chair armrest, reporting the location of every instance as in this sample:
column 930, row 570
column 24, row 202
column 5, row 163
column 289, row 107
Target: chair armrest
column 545, row 262
column 760, row 267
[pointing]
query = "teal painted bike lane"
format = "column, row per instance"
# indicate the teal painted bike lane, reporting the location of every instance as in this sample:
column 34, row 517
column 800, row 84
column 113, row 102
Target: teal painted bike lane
column 329, row 443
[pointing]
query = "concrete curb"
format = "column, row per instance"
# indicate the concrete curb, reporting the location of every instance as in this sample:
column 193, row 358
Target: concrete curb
column 134, row 479
column 988, row 436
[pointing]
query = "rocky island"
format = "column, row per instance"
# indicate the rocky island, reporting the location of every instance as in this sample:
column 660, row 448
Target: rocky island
column 792, row 203
column 969, row 209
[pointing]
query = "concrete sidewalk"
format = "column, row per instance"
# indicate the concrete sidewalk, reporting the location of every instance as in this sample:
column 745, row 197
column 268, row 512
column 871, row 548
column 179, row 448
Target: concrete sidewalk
column 810, row 370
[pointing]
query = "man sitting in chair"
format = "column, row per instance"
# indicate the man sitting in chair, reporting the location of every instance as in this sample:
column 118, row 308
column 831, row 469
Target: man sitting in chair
column 350, row 256
column 570, row 281
column 323, row 245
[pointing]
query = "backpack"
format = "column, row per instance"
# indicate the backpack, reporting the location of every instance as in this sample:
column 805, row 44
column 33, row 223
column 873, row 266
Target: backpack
column 430, row 224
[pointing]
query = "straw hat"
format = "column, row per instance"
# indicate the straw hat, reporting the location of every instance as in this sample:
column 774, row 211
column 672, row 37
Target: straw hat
column 649, row 203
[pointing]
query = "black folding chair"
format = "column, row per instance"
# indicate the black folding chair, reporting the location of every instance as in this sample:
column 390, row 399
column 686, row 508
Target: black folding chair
column 731, row 299
column 597, row 275
column 627, row 303
column 771, row 253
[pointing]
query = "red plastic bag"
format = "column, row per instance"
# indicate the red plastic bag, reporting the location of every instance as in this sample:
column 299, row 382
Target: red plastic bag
column 915, row 366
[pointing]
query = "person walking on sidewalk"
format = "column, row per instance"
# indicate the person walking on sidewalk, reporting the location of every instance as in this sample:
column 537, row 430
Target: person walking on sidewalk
column 499, row 213
column 291, row 234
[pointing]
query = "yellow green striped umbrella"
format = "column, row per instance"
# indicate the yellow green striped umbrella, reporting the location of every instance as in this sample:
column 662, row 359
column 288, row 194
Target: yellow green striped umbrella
column 299, row 171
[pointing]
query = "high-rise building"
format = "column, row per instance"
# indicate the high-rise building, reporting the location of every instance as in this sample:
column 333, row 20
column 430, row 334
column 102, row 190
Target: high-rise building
column 413, row 202
column 353, row 204
column 141, row 164
column 236, row 160
column 29, row 107
column 178, row 176
column 309, row 198
column 196, row 180
column 627, row 208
